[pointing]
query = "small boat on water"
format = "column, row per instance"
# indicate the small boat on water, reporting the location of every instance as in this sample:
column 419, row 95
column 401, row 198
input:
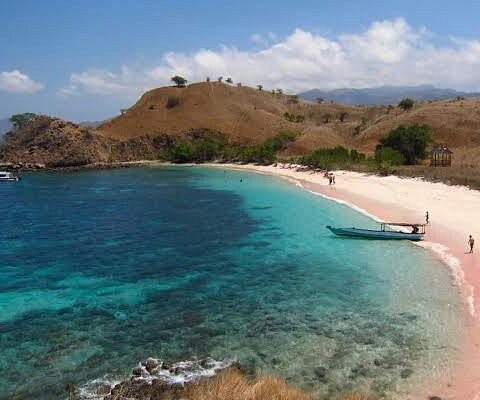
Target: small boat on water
column 416, row 234
column 8, row 176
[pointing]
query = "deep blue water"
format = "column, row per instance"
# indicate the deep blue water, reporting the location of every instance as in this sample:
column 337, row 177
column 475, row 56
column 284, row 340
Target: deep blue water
column 99, row 270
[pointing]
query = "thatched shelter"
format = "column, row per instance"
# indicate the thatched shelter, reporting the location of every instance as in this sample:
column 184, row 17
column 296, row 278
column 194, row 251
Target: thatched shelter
column 441, row 156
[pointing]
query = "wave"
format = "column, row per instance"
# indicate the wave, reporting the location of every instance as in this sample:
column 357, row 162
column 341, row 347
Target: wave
column 154, row 369
column 440, row 250
column 444, row 253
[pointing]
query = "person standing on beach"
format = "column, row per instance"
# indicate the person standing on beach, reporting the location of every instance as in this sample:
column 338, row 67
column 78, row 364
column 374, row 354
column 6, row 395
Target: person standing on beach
column 426, row 217
column 471, row 242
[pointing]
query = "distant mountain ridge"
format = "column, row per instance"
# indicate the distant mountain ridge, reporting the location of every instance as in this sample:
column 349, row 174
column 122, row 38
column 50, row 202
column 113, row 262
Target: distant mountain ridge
column 5, row 126
column 384, row 94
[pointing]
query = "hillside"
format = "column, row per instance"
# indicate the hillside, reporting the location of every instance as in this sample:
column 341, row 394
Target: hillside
column 384, row 95
column 163, row 117
column 242, row 113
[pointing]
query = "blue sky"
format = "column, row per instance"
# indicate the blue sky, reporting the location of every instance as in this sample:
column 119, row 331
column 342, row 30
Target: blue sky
column 85, row 60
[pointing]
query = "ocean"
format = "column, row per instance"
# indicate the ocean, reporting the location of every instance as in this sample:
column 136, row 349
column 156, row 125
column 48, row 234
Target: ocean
column 102, row 269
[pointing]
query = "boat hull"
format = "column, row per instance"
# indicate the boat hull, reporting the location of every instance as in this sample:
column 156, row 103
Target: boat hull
column 373, row 234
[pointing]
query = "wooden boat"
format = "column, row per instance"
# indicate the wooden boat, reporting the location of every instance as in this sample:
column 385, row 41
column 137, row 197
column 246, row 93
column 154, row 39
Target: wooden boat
column 417, row 233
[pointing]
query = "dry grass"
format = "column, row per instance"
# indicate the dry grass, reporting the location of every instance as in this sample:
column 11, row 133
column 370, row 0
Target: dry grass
column 233, row 385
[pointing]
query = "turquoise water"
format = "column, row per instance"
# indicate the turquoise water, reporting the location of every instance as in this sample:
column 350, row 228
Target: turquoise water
column 99, row 270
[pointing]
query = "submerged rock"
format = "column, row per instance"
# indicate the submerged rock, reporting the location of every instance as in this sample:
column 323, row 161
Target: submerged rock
column 405, row 373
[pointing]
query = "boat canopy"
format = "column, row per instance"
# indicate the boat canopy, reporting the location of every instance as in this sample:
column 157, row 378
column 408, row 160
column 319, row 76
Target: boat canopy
column 417, row 228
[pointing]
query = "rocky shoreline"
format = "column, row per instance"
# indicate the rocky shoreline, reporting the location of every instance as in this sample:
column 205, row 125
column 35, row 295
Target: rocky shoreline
column 154, row 379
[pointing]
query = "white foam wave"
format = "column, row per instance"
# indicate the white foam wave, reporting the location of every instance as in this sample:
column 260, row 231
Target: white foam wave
column 184, row 371
column 444, row 253
column 179, row 373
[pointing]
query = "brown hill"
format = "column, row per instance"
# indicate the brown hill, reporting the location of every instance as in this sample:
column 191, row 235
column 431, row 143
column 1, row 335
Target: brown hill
column 455, row 123
column 243, row 115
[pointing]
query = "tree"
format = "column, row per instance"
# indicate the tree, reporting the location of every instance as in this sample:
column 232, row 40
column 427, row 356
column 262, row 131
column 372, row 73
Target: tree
column 208, row 79
column 20, row 120
column 239, row 84
column 319, row 100
column 280, row 91
column 406, row 104
column 259, row 87
column 179, row 81
column 389, row 155
column 409, row 140
column 326, row 117
column 229, row 80
column 342, row 116
column 220, row 78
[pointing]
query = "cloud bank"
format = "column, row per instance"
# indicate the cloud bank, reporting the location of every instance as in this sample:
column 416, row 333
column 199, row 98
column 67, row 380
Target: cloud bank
column 17, row 82
column 389, row 52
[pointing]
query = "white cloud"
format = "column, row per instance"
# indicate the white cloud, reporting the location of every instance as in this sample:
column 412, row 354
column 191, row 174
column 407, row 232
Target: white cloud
column 389, row 52
column 17, row 82
column 258, row 39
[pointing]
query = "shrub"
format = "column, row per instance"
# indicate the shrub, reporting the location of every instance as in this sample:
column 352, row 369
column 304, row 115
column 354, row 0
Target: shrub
column 411, row 141
column 172, row 101
column 387, row 154
column 327, row 158
column 406, row 104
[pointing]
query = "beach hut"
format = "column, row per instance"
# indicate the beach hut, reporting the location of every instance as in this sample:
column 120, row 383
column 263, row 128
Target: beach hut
column 441, row 156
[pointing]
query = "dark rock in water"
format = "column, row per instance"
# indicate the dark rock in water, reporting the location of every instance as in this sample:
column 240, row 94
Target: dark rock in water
column 137, row 371
column 151, row 364
column 320, row 372
column 103, row 389
column 377, row 362
column 434, row 398
column 140, row 389
column 405, row 373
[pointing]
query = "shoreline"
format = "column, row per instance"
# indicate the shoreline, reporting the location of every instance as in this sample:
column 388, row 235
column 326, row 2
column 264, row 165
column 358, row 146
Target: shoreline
column 407, row 199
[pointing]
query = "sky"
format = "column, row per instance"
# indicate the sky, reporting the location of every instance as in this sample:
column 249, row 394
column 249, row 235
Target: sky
column 85, row 60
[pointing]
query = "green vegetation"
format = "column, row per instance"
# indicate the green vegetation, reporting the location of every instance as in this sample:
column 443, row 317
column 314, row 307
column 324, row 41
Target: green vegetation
column 293, row 117
column 409, row 140
column 406, row 104
column 172, row 101
column 179, row 81
column 20, row 120
column 328, row 158
column 210, row 146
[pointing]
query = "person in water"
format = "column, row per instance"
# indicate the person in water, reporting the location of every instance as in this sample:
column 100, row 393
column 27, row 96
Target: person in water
column 471, row 242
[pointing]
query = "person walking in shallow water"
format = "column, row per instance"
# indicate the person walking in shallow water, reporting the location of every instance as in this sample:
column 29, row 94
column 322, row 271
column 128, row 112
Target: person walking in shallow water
column 471, row 242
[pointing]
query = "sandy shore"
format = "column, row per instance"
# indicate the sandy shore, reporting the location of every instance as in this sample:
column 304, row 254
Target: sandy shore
column 454, row 214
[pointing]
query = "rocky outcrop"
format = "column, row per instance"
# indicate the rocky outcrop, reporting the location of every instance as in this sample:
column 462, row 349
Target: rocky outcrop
column 52, row 142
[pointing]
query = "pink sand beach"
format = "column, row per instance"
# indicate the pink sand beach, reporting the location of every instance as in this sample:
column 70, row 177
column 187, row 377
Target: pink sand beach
column 454, row 215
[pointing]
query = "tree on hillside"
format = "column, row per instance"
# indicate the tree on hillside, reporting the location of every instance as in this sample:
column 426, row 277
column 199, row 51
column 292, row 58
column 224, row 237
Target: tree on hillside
column 208, row 79
column 220, row 78
column 239, row 84
column 406, row 104
column 259, row 87
column 342, row 116
column 229, row 80
column 20, row 120
column 326, row 117
column 280, row 91
column 409, row 140
column 319, row 100
column 179, row 81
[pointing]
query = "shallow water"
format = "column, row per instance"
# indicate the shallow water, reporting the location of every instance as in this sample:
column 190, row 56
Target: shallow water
column 99, row 270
